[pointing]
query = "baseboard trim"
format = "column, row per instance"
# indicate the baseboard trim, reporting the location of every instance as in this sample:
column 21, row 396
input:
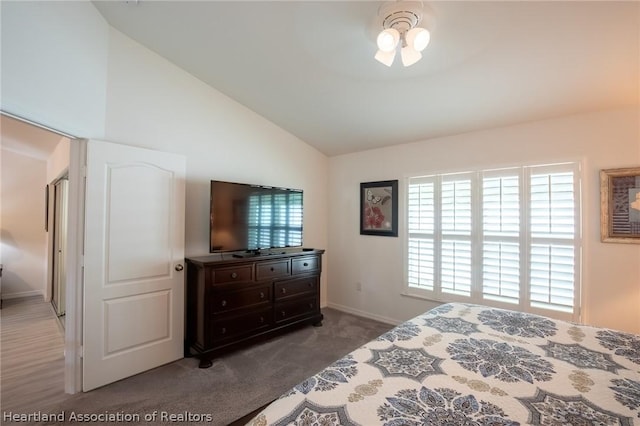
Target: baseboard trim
column 363, row 314
column 22, row 294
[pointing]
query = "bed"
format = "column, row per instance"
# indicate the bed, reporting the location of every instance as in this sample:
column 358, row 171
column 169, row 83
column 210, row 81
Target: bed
column 461, row 364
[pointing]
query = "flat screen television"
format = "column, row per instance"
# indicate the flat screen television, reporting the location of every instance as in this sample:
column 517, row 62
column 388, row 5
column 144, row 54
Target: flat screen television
column 251, row 218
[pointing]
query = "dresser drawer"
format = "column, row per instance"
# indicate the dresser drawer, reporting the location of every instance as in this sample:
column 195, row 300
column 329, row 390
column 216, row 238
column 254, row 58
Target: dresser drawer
column 231, row 299
column 296, row 287
column 236, row 326
column 295, row 309
column 305, row 264
column 232, row 274
column 268, row 270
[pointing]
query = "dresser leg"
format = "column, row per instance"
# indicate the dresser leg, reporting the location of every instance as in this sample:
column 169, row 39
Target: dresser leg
column 205, row 362
column 319, row 322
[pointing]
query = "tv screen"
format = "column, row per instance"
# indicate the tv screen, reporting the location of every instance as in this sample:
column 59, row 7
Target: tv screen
column 251, row 217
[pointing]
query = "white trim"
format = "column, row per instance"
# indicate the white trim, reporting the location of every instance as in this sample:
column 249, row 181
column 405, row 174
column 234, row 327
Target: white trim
column 36, row 124
column 22, row 294
column 75, row 270
column 363, row 314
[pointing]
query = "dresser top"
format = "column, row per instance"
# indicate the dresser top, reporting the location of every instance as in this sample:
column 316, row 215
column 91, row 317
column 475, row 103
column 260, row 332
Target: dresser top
column 223, row 258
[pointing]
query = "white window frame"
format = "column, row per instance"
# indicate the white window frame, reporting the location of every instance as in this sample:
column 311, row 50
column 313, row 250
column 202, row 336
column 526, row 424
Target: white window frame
column 524, row 238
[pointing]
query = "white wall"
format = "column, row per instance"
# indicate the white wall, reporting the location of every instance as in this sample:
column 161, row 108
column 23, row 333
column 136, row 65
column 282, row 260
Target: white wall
column 58, row 161
column 611, row 272
column 25, row 243
column 119, row 91
column 153, row 104
column 54, row 64
column 24, row 240
column 57, row 167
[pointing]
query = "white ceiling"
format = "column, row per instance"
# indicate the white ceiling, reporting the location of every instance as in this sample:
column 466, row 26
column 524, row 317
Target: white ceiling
column 308, row 66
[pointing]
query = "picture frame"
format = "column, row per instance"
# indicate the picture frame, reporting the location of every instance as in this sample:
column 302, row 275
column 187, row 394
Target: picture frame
column 379, row 208
column 620, row 205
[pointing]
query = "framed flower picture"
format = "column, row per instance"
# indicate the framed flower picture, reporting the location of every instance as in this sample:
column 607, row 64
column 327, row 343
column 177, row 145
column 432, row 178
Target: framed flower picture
column 379, row 208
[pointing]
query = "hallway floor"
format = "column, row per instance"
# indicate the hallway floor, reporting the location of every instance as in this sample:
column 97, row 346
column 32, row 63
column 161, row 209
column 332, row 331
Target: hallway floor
column 31, row 356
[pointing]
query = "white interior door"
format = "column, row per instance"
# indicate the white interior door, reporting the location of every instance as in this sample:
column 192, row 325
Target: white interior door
column 134, row 251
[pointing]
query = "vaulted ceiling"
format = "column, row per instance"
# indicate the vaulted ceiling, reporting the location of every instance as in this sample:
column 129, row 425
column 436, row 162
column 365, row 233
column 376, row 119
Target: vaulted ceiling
column 308, row 66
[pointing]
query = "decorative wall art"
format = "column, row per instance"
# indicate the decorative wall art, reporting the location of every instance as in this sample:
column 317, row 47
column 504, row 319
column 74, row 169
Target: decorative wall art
column 620, row 205
column 379, row 208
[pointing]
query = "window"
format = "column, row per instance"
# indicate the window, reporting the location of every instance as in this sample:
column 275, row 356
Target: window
column 507, row 237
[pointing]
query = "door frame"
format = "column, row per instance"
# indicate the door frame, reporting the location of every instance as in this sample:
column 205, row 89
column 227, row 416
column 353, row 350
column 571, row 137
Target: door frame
column 75, row 267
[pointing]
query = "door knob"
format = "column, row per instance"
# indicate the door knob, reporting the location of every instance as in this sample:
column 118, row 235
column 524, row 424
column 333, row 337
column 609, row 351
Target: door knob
column 179, row 267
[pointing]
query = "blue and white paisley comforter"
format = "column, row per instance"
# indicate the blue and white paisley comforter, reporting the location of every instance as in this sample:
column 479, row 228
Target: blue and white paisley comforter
column 473, row 365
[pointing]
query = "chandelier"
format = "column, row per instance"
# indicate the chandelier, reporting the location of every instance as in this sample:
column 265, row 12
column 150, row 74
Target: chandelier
column 399, row 21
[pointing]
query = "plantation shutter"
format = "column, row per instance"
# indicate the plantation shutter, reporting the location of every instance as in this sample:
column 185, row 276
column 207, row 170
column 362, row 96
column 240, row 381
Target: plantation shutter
column 501, row 236
column 504, row 237
column 552, row 232
column 455, row 269
column 421, row 227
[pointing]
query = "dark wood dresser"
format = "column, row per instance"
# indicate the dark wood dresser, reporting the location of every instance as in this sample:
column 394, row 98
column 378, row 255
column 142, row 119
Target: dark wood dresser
column 233, row 301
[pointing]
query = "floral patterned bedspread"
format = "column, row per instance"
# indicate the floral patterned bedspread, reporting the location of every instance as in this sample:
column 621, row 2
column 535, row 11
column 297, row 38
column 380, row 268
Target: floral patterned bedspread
column 462, row 364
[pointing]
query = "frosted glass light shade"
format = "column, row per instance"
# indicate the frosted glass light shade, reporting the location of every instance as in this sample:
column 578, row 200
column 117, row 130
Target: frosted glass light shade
column 418, row 38
column 409, row 56
column 385, row 57
column 388, row 39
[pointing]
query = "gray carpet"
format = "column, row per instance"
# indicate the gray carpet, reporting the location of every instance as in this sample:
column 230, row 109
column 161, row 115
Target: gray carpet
column 237, row 383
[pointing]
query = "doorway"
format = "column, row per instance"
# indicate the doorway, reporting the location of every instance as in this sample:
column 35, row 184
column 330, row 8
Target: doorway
column 135, row 288
column 34, row 158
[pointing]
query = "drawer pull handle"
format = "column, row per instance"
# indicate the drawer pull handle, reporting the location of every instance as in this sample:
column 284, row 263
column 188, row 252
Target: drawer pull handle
column 223, row 331
column 283, row 314
column 305, row 264
column 261, row 320
column 272, row 269
column 284, row 290
column 310, row 305
column 223, row 303
column 261, row 295
column 234, row 275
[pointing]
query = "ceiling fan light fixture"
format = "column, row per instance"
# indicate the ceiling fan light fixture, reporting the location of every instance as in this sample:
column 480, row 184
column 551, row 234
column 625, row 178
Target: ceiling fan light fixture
column 409, row 56
column 402, row 24
column 418, row 38
column 385, row 57
column 388, row 39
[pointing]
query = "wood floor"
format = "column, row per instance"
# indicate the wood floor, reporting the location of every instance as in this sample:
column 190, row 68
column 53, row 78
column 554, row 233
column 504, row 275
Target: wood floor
column 31, row 356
